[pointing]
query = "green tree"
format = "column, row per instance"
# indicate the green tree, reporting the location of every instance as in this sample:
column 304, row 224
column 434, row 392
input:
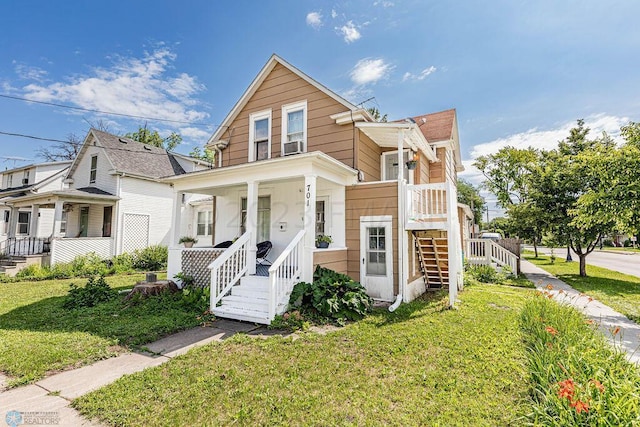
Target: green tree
column 207, row 155
column 470, row 195
column 146, row 136
column 375, row 113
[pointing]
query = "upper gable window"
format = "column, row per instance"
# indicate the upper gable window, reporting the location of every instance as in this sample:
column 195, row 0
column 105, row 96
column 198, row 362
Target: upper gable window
column 10, row 180
column 294, row 128
column 260, row 135
column 94, row 169
column 25, row 177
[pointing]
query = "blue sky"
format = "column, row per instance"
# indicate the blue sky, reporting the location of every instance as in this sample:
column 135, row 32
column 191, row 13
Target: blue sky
column 518, row 72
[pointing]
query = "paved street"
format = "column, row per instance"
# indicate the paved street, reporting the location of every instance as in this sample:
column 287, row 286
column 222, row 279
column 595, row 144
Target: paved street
column 624, row 262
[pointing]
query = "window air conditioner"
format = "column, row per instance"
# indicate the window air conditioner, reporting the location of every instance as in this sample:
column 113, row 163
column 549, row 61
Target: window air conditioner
column 293, row 147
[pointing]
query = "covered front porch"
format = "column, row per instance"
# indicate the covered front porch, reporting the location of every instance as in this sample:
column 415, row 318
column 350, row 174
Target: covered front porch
column 63, row 223
column 286, row 202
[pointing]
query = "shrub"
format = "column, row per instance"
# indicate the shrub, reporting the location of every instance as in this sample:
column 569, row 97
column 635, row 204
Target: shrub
column 88, row 265
column 577, row 377
column 95, row 292
column 122, row 263
column 291, row 321
column 607, row 242
column 152, row 258
column 34, row 271
column 332, row 297
column 484, row 273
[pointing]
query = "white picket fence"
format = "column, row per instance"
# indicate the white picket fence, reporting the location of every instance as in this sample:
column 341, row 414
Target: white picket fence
column 488, row 252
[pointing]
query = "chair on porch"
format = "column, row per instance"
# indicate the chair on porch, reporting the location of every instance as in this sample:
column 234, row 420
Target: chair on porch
column 224, row 245
column 263, row 249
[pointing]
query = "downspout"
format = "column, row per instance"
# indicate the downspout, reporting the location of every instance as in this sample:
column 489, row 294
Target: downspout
column 400, row 239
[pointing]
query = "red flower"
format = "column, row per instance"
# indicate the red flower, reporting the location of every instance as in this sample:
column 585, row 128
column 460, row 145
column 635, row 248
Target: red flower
column 553, row 331
column 597, row 384
column 616, row 330
column 567, row 388
column 580, row 406
column 589, row 322
column 549, row 287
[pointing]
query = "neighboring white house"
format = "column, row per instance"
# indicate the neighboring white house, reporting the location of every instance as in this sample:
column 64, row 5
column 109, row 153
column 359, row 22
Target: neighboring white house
column 27, row 180
column 111, row 200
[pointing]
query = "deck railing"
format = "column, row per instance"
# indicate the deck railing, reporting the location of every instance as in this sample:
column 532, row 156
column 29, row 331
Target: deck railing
column 20, row 246
column 427, row 202
column 284, row 273
column 486, row 252
column 228, row 268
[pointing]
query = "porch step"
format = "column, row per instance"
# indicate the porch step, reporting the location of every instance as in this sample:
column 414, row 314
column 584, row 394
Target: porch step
column 258, row 283
column 249, row 292
column 239, row 313
column 246, row 303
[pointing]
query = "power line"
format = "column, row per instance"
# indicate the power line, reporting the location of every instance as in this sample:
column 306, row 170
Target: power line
column 38, row 138
column 53, row 104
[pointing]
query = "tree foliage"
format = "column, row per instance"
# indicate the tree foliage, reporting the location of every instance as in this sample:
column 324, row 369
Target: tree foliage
column 207, row 155
column 375, row 113
column 67, row 150
column 146, row 136
column 470, row 195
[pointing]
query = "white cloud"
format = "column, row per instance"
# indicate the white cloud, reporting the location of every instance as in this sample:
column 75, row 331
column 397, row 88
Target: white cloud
column 421, row 75
column 384, row 3
column 548, row 139
column 314, row 20
column 194, row 133
column 136, row 86
column 369, row 71
column 334, row 14
column 27, row 72
column 350, row 32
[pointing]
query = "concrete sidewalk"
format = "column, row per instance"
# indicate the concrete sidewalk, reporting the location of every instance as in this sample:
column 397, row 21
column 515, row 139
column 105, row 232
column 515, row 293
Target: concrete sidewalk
column 628, row 339
column 47, row 401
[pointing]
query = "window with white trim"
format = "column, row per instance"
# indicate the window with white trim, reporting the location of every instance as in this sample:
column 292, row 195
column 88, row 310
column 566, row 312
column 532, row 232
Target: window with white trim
column 10, row 180
column 390, row 166
column 25, row 177
column 260, row 136
column 23, row 222
column 63, row 221
column 94, row 169
column 294, row 128
column 205, row 223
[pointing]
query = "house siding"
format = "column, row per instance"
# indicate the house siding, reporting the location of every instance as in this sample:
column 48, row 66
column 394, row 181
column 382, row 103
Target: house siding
column 369, row 157
column 282, row 87
column 375, row 199
column 104, row 180
column 144, row 197
column 437, row 170
column 335, row 260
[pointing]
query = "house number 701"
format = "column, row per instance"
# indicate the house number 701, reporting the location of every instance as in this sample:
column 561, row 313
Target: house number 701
column 308, row 195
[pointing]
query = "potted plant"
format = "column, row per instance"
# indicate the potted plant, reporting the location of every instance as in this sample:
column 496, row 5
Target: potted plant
column 323, row 240
column 188, row 241
column 413, row 161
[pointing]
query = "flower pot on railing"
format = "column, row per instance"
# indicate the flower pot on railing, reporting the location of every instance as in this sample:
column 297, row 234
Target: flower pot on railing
column 322, row 241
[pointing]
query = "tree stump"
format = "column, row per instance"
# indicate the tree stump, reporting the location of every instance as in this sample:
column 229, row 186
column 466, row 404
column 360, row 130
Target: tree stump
column 146, row 289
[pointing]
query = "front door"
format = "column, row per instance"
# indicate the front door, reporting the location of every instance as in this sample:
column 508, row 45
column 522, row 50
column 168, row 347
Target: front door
column 84, row 221
column 376, row 257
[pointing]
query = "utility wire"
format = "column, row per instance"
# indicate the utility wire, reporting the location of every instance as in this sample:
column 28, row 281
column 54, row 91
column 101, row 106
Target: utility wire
column 17, row 98
column 20, row 135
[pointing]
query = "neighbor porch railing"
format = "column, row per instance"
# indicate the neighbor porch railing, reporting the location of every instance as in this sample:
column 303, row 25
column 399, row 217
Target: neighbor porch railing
column 427, row 202
column 487, row 252
column 21, row 246
column 228, row 268
column 284, row 273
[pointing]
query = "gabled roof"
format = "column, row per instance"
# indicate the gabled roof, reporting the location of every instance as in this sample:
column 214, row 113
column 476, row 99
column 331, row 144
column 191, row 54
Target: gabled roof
column 37, row 185
column 260, row 78
column 131, row 157
column 438, row 126
column 36, row 165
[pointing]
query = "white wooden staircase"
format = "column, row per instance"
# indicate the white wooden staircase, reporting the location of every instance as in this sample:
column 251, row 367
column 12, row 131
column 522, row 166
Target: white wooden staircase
column 248, row 301
column 434, row 260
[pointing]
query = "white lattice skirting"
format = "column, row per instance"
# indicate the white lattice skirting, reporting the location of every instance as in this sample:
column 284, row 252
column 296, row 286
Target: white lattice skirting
column 195, row 263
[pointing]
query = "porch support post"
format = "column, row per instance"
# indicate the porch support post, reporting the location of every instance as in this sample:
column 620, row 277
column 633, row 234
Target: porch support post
column 251, row 224
column 33, row 221
column 13, row 222
column 402, row 256
column 309, row 226
column 177, row 218
column 57, row 218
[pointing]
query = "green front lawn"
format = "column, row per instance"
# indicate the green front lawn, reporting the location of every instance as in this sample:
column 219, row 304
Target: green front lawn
column 422, row 365
column 38, row 336
column 617, row 290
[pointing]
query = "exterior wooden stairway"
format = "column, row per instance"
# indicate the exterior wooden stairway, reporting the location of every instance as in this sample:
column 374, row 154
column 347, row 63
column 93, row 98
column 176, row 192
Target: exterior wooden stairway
column 433, row 255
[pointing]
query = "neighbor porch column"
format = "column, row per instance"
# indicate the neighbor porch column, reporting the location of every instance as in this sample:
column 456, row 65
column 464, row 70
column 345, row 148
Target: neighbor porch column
column 33, row 221
column 57, row 218
column 309, row 226
column 251, row 224
column 13, row 222
column 177, row 218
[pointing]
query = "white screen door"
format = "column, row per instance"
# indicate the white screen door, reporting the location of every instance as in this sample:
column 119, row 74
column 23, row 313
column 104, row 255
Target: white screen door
column 376, row 257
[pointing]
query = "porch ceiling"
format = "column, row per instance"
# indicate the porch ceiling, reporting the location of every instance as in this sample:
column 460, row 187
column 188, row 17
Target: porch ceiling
column 272, row 170
column 386, row 135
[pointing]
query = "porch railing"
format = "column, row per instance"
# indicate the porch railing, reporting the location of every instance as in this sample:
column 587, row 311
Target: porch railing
column 228, row 268
column 20, row 246
column 66, row 249
column 284, row 273
column 486, row 252
column 427, row 202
